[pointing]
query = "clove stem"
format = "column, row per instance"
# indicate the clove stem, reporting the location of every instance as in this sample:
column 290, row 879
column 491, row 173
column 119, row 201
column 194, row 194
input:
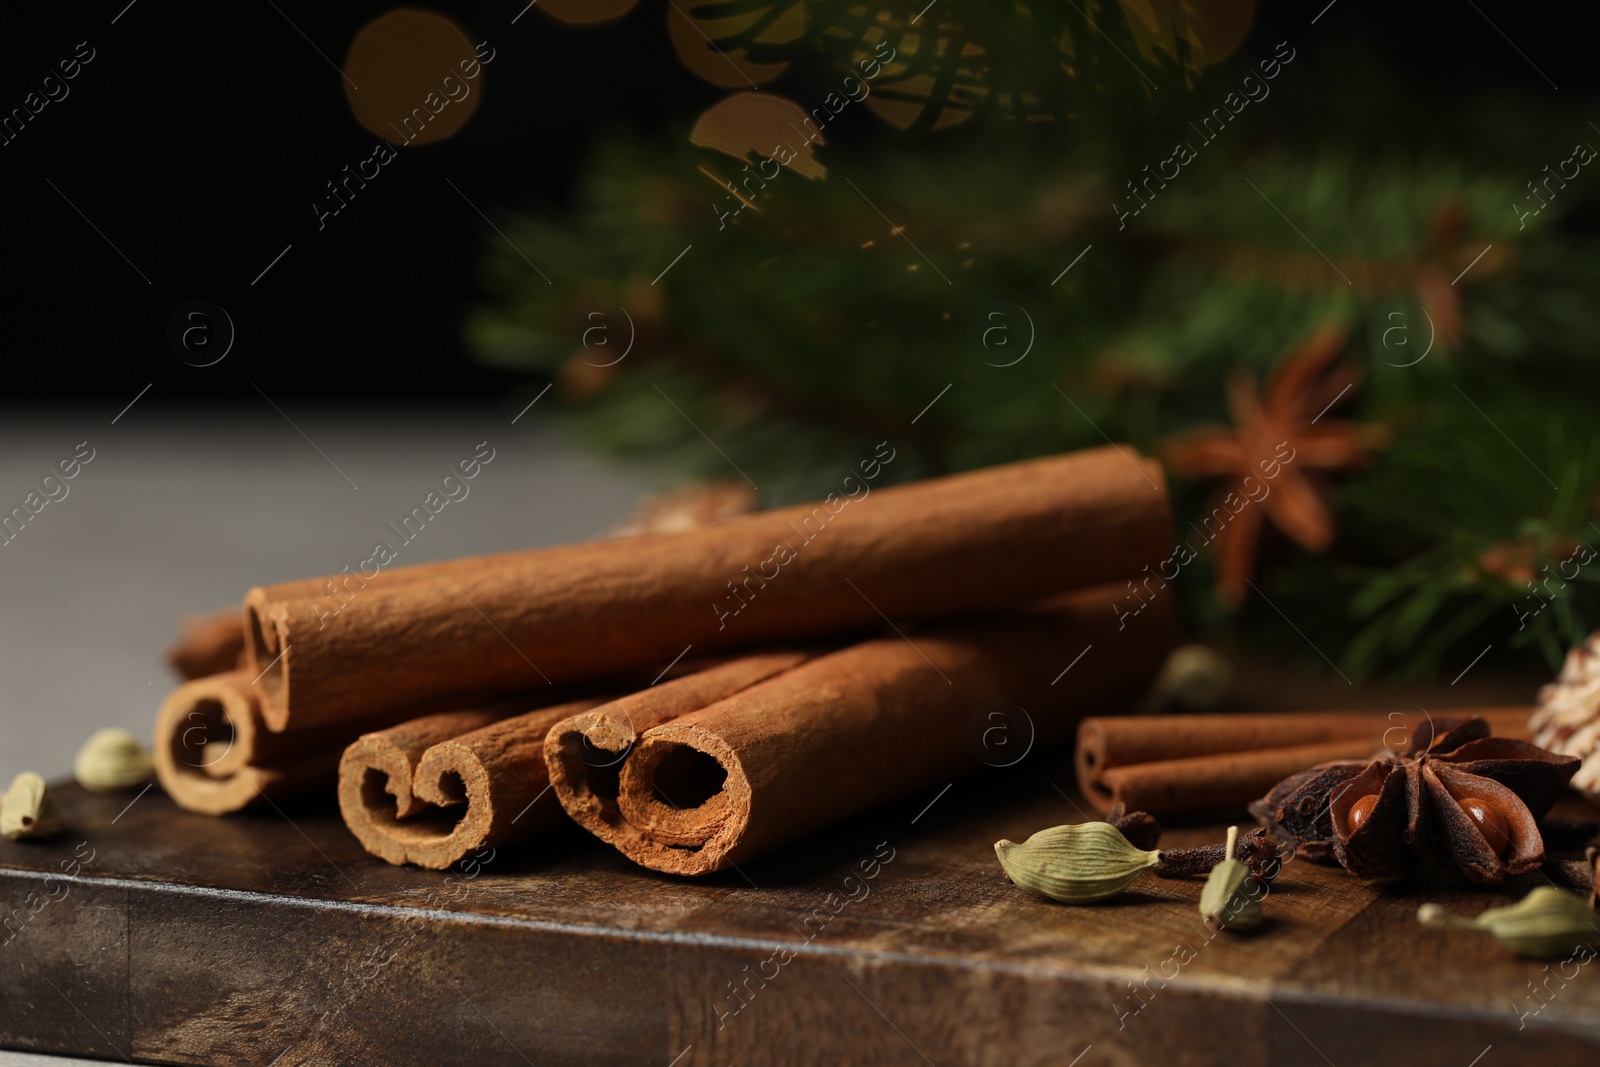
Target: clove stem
column 1254, row 850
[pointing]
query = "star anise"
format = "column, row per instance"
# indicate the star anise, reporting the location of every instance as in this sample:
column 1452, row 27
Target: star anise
column 1273, row 455
column 1469, row 801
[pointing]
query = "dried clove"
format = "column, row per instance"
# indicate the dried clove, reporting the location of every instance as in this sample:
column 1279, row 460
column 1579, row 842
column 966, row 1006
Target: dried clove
column 1255, row 850
column 1140, row 827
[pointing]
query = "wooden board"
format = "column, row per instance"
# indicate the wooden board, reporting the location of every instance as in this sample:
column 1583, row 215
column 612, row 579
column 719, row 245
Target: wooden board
column 274, row 939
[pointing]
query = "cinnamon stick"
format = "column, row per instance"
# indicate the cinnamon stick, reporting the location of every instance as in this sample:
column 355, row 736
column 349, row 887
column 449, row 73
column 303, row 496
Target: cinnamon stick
column 208, row 644
column 215, row 643
column 584, row 752
column 871, row 723
column 432, row 790
column 214, row 754
column 946, row 547
column 1213, row 783
column 1186, row 764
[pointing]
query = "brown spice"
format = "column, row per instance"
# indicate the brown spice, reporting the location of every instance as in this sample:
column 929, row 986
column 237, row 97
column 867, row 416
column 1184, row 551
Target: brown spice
column 940, row 548
column 432, row 790
column 214, row 755
column 1188, row 764
column 868, row 724
column 1421, row 805
column 584, row 753
column 209, row 644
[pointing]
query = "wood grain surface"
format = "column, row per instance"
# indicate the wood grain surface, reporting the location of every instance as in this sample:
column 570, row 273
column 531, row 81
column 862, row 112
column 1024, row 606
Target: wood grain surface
column 273, row 939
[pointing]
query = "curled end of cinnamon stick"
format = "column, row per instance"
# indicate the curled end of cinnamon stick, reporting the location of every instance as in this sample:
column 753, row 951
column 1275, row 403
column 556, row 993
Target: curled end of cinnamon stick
column 686, row 799
column 584, row 755
column 267, row 657
column 430, row 791
column 405, row 812
column 207, row 735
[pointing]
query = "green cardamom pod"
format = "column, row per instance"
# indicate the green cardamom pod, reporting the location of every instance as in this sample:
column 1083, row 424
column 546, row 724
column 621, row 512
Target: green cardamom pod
column 1077, row 864
column 27, row 810
column 110, row 760
column 1546, row 922
column 1231, row 899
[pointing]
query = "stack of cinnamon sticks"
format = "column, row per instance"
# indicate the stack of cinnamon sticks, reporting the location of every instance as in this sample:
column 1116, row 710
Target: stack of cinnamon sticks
column 694, row 698
column 1208, row 764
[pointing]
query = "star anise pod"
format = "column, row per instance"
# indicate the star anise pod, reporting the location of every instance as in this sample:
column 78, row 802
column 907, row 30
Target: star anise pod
column 1469, row 801
column 1274, row 457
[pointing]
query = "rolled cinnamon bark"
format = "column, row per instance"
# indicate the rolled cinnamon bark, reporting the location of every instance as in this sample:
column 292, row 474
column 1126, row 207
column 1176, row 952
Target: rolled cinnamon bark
column 434, row 789
column 208, row 644
column 950, row 546
column 873, row 722
column 214, row 755
column 1187, row 764
column 1212, row 783
column 215, row 643
column 584, row 752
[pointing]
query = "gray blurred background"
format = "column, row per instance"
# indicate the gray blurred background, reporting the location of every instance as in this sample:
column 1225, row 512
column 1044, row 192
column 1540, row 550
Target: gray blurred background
column 180, row 512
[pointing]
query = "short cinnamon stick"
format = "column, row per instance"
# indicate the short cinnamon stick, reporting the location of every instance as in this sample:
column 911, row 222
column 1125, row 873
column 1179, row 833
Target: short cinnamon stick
column 870, row 723
column 584, row 753
column 1187, row 764
column 432, row 790
column 214, row 754
column 941, row 548
column 208, row 644
column 1212, row 783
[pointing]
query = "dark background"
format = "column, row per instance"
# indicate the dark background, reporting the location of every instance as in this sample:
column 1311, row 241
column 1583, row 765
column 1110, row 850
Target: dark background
column 200, row 133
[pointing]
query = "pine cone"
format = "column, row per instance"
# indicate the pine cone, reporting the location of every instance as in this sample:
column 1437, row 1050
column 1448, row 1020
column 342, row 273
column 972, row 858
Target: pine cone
column 1568, row 717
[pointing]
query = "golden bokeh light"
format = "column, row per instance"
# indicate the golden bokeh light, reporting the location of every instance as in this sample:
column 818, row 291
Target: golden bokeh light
column 413, row 77
column 586, row 12
column 753, row 126
column 695, row 35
